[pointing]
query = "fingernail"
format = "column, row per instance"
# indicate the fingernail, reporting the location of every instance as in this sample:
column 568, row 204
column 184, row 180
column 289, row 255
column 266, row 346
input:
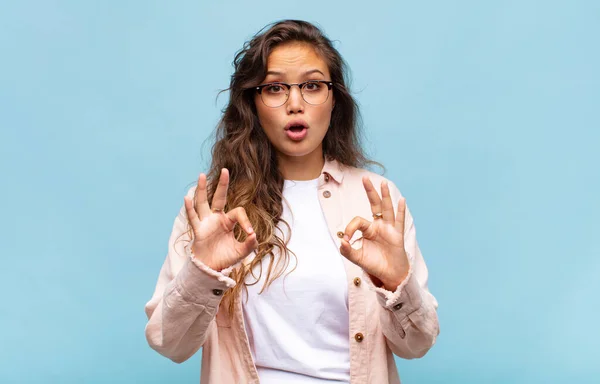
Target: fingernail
column 346, row 238
column 250, row 229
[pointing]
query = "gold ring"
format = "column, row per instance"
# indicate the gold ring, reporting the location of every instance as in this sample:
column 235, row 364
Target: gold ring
column 377, row 215
column 216, row 210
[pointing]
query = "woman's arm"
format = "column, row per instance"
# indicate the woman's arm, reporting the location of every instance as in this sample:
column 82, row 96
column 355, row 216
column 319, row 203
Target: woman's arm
column 186, row 298
column 391, row 260
column 408, row 315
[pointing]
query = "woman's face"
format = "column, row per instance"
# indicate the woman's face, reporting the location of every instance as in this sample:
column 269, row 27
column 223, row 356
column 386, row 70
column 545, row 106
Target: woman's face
column 295, row 63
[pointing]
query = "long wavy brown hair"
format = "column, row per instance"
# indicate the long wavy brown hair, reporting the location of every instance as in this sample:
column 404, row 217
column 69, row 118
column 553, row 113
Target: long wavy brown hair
column 242, row 147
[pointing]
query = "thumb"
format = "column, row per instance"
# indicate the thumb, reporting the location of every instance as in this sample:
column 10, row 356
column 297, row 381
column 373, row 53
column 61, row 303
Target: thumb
column 354, row 255
column 250, row 244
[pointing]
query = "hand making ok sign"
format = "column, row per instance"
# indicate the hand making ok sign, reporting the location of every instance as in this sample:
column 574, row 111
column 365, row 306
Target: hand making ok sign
column 382, row 254
column 214, row 242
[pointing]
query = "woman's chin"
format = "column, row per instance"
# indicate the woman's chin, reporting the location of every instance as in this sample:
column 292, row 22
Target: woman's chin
column 298, row 149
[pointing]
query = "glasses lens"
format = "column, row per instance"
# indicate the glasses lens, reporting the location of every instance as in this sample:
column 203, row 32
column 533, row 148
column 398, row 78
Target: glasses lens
column 274, row 95
column 315, row 92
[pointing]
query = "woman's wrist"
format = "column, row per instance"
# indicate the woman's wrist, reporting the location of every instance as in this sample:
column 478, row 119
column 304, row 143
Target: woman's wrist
column 390, row 282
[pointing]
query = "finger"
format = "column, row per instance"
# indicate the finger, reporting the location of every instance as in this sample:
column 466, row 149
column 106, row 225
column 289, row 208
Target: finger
column 249, row 245
column 220, row 197
column 401, row 216
column 354, row 255
column 388, row 206
column 193, row 218
column 372, row 194
column 358, row 224
column 202, row 207
column 238, row 215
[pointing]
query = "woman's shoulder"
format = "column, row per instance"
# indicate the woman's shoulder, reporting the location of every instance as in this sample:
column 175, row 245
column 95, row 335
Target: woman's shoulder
column 354, row 175
column 355, row 172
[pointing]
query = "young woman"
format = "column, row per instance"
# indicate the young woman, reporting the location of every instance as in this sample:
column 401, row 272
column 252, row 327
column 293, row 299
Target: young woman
column 289, row 263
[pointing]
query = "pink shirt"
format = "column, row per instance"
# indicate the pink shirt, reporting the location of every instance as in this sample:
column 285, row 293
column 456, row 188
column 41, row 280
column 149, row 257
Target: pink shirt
column 184, row 314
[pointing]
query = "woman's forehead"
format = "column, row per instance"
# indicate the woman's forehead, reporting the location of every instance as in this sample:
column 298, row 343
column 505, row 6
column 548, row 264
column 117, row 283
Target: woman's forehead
column 295, row 59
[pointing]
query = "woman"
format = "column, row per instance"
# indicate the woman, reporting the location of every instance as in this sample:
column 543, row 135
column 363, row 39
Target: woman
column 272, row 267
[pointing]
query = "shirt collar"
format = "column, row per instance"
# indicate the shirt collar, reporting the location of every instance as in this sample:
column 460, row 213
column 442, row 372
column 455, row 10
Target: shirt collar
column 333, row 169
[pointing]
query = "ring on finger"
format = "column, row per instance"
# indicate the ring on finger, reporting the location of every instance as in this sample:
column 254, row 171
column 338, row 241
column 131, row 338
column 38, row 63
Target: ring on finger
column 377, row 215
column 217, row 210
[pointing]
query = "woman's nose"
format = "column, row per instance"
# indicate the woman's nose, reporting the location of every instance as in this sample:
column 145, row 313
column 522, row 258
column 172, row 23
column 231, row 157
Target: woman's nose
column 295, row 101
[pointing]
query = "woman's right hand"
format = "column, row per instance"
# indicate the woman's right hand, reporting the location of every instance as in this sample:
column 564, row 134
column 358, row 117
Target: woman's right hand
column 214, row 243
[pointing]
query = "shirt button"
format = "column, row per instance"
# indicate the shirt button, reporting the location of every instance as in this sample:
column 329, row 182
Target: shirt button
column 397, row 306
column 326, row 177
column 359, row 337
column 327, row 194
column 217, row 292
column 357, row 281
column 340, row 234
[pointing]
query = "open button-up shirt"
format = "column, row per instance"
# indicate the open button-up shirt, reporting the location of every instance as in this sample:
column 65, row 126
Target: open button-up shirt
column 185, row 314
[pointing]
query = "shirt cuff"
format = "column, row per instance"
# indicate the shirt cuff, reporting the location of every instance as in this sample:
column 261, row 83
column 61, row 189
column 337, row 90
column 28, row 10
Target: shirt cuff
column 222, row 276
column 405, row 299
column 199, row 284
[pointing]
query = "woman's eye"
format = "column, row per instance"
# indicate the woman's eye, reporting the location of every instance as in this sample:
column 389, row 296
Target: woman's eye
column 311, row 86
column 274, row 88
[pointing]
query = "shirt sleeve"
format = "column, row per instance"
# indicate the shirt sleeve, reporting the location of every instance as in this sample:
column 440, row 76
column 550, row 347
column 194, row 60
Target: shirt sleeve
column 408, row 315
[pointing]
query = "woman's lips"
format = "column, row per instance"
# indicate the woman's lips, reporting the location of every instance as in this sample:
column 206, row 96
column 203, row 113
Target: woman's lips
column 296, row 134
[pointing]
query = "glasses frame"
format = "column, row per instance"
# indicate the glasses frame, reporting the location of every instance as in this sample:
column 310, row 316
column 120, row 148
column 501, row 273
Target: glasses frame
column 259, row 89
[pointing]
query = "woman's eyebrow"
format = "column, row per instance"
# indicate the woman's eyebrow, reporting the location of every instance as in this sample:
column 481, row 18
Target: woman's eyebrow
column 276, row 73
column 313, row 71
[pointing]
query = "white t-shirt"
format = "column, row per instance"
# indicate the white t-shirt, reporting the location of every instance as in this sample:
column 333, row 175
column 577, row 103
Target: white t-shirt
column 298, row 327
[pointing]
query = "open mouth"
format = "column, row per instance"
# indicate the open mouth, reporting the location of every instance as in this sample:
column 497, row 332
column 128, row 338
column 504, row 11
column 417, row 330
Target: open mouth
column 296, row 128
column 296, row 132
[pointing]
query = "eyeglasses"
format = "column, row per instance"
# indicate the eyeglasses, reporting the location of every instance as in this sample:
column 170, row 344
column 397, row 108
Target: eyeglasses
column 276, row 94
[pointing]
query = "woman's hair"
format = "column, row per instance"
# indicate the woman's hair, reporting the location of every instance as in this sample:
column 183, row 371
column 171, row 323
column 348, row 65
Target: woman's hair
column 243, row 148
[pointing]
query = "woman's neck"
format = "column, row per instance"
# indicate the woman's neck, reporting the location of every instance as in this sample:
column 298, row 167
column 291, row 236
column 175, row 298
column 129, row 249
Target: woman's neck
column 307, row 167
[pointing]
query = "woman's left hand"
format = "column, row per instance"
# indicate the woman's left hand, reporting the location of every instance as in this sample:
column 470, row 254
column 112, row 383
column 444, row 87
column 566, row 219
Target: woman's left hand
column 382, row 254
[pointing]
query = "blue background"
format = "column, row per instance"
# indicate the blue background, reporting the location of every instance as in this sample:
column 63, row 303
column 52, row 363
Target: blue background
column 486, row 115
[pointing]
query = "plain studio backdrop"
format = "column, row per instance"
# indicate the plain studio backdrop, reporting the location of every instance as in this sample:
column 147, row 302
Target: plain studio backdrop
column 486, row 115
